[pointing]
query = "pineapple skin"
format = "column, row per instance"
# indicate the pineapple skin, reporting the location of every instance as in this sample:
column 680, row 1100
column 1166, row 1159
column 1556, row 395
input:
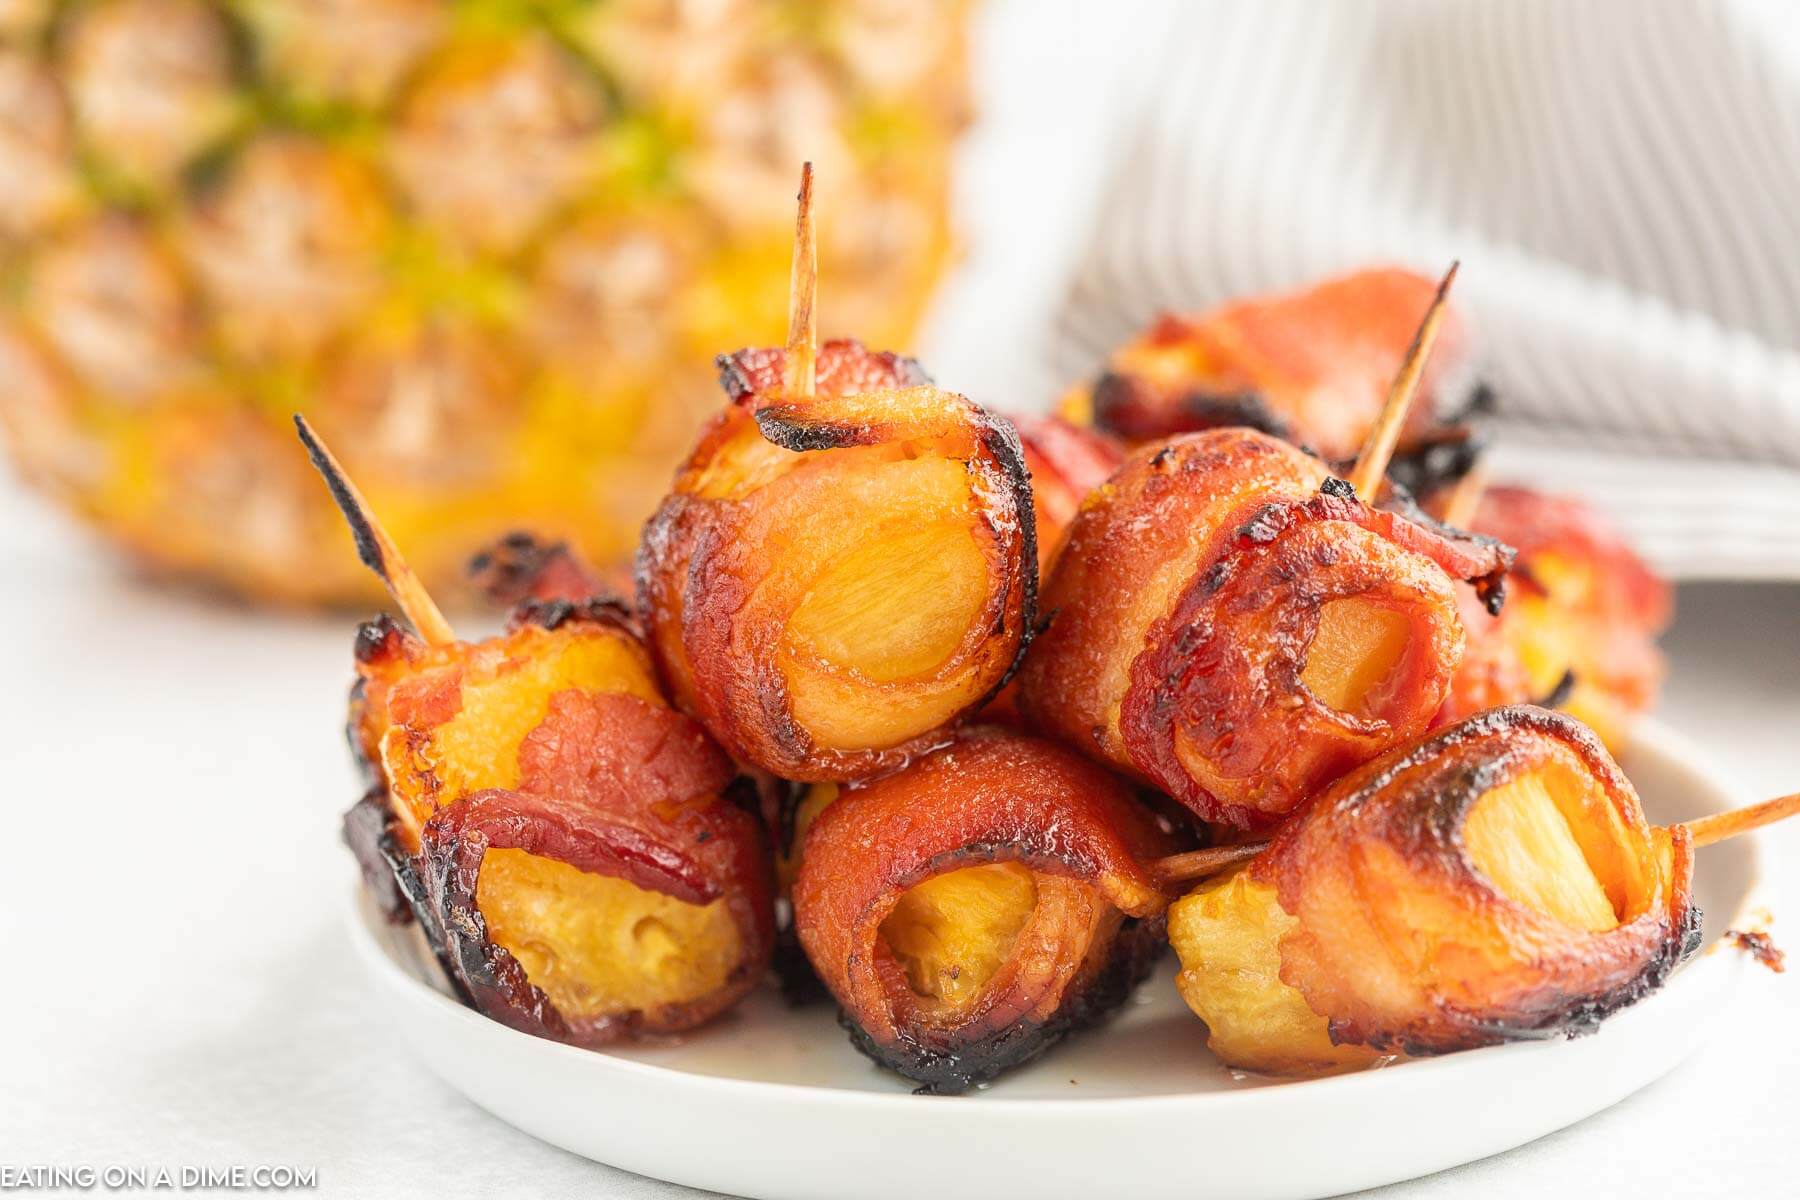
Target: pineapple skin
column 489, row 248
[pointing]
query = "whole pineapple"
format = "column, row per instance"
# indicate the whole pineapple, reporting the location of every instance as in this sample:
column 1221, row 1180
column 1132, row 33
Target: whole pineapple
column 488, row 246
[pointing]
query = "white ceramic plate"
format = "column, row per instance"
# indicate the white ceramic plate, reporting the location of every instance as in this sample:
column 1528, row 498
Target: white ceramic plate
column 1136, row 1107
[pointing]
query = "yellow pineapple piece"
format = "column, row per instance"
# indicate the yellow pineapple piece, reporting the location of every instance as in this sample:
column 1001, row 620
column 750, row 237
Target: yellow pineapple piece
column 1519, row 837
column 597, row 944
column 891, row 611
column 505, row 697
column 952, row 932
column 1357, row 646
column 1227, row 934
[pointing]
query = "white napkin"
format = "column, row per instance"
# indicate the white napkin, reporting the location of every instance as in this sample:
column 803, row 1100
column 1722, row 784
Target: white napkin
column 1621, row 181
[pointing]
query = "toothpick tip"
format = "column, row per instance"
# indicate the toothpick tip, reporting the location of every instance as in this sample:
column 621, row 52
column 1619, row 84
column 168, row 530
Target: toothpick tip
column 344, row 495
column 373, row 546
column 803, row 282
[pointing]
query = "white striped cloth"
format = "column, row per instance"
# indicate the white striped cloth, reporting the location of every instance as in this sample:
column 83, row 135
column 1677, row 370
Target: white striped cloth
column 1620, row 179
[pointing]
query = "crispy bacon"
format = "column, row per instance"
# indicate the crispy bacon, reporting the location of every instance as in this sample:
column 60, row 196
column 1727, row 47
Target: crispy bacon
column 835, row 580
column 572, row 846
column 1066, row 462
column 1311, row 366
column 1034, row 951
column 1406, row 944
column 521, row 566
column 1186, row 611
column 1583, row 622
column 1496, row 881
column 617, row 786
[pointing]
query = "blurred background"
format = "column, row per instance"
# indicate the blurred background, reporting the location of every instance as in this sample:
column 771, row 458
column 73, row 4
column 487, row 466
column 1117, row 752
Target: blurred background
column 491, row 247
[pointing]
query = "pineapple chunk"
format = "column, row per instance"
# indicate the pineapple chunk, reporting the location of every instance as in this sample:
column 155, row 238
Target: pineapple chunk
column 1354, row 652
column 1519, row 837
column 595, row 944
column 898, row 607
column 891, row 612
column 479, row 747
column 1227, row 934
column 954, row 931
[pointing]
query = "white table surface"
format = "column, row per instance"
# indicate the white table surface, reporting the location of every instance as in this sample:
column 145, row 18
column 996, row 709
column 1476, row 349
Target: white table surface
column 177, row 989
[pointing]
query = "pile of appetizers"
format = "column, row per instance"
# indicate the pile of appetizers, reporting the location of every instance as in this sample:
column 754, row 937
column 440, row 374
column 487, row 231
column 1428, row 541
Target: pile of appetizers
column 961, row 720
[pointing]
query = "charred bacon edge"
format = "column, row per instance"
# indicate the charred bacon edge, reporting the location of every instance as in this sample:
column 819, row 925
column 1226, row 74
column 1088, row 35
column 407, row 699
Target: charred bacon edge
column 1128, row 407
column 999, row 461
column 1431, row 839
column 1490, row 586
column 1151, row 707
column 745, row 375
column 392, row 875
column 455, row 843
column 1136, row 946
column 521, row 566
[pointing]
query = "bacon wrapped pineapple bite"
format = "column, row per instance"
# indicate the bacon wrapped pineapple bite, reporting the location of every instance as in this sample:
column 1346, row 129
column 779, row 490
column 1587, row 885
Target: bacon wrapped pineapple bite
column 1232, row 625
column 970, row 910
column 846, row 564
column 1310, row 366
column 571, row 845
column 1580, row 631
column 1496, row 881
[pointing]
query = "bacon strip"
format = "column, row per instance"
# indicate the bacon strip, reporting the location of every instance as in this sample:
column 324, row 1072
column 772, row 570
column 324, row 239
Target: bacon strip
column 611, row 782
column 989, row 797
column 1066, row 462
column 1310, row 366
column 1405, row 945
column 1588, row 613
column 780, row 492
column 1186, row 601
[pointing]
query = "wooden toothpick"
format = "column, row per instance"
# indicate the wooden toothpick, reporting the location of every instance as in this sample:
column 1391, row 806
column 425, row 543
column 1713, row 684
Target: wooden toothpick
column 1198, row 864
column 1178, row 869
column 803, row 285
column 1720, row 826
column 1378, row 447
column 374, row 546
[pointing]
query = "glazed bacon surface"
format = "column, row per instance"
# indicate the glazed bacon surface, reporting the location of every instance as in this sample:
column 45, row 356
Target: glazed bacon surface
column 1496, row 881
column 1311, row 366
column 970, row 910
column 1231, row 625
column 836, row 579
column 1580, row 629
column 569, row 843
